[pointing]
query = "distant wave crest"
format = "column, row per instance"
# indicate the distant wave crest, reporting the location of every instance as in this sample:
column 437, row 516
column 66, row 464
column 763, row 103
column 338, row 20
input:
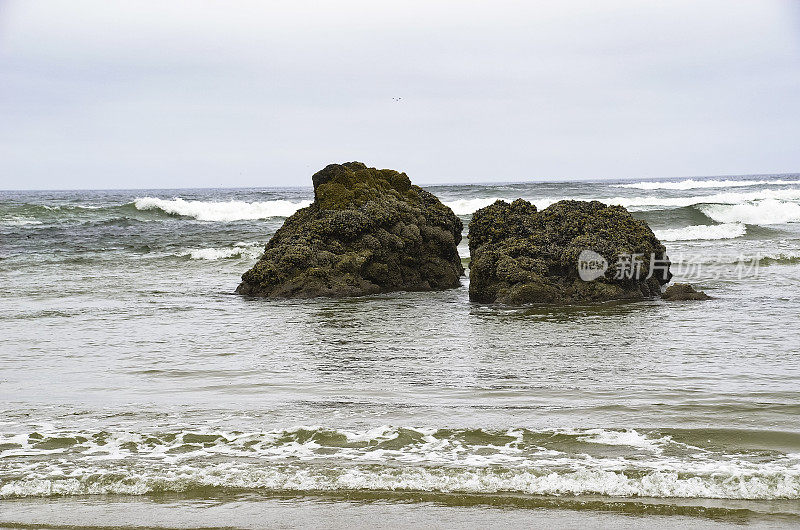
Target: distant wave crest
column 702, row 232
column 221, row 211
column 762, row 207
column 716, row 198
column 691, row 184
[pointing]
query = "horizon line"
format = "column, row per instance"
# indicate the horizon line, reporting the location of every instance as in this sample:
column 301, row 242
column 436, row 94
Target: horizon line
column 431, row 185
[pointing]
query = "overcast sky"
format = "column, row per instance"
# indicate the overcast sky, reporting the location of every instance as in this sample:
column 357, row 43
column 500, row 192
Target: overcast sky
column 232, row 93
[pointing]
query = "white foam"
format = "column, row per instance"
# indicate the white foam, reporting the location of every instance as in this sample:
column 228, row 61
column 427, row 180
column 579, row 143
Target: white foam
column 659, row 484
column 765, row 212
column 691, row 184
column 221, row 211
column 702, row 232
column 413, row 459
column 629, row 438
column 384, row 432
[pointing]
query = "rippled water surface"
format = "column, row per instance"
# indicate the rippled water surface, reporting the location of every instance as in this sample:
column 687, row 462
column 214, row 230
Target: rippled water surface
column 137, row 389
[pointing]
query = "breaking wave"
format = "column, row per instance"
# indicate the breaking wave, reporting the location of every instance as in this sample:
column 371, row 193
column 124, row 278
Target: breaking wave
column 691, row 184
column 221, row 211
column 238, row 251
column 700, row 232
column 757, row 208
column 304, row 478
column 766, row 212
column 470, row 206
column 614, row 462
column 780, row 258
column 767, row 206
column 717, row 198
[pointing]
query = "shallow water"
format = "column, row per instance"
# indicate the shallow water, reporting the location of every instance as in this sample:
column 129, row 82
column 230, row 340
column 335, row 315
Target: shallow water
column 136, row 387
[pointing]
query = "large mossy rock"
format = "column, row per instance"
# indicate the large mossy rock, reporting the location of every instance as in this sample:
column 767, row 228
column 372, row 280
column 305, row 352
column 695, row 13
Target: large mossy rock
column 368, row 231
column 521, row 255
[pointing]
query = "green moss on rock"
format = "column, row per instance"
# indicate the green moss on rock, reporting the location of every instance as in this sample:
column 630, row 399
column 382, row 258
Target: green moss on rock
column 521, row 255
column 368, row 231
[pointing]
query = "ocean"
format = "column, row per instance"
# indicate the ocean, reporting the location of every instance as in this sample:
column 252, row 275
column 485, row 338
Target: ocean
column 138, row 390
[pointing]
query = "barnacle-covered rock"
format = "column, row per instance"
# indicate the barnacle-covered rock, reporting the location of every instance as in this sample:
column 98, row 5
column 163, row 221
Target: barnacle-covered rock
column 521, row 255
column 368, row 231
column 683, row 291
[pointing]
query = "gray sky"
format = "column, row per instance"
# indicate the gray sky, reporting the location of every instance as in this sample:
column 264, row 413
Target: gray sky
column 197, row 94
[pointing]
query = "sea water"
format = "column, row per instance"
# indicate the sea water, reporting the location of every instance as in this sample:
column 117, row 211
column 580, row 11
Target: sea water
column 137, row 389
